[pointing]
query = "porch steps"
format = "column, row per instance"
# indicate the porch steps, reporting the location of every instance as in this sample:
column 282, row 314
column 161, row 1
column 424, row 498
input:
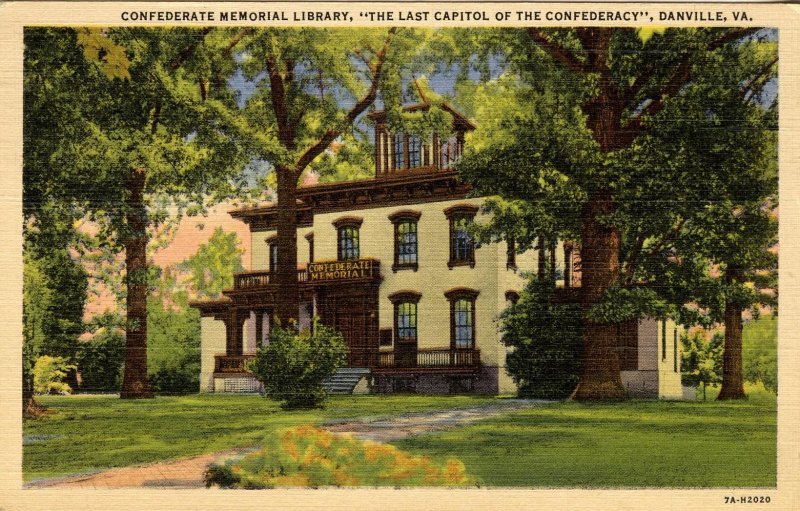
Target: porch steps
column 344, row 380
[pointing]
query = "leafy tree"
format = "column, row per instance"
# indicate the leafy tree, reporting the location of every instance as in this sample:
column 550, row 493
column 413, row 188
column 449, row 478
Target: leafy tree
column 760, row 350
column 211, row 269
column 583, row 139
column 54, row 293
column 701, row 360
column 293, row 365
column 174, row 340
column 125, row 125
column 49, row 373
column 311, row 88
column 546, row 337
column 101, row 359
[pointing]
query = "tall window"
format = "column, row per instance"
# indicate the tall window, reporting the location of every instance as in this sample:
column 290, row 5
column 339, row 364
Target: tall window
column 462, row 246
column 511, row 254
column 414, row 152
column 273, row 257
column 450, row 151
column 272, row 245
column 310, row 238
column 406, row 244
column 399, row 152
column 405, row 316
column 675, row 350
column 348, row 242
column 462, row 317
column 406, row 313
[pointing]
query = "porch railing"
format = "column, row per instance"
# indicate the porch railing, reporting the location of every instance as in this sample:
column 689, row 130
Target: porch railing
column 231, row 363
column 431, row 358
column 258, row 279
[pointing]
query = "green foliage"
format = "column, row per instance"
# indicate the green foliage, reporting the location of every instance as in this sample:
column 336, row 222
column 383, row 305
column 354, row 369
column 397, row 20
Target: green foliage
column 100, row 360
column 632, row 445
column 48, row 375
column 546, row 337
column 701, row 360
column 54, row 293
column 760, row 352
column 538, row 147
column 310, row 457
column 85, row 433
column 211, row 269
column 173, row 340
column 294, row 364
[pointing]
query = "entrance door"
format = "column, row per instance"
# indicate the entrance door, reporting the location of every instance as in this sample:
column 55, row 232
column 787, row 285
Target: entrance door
column 353, row 312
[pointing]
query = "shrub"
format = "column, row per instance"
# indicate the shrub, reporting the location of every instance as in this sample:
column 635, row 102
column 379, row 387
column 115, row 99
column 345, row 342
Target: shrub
column 701, row 360
column 294, row 364
column 546, row 337
column 48, row 375
column 184, row 380
column 310, row 457
column 101, row 359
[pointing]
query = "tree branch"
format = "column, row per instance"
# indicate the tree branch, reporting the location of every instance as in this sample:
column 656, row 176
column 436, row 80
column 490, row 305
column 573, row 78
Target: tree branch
column 279, row 103
column 634, row 259
column 748, row 85
column 680, row 77
column 330, row 135
column 187, row 52
column 666, row 238
column 558, row 52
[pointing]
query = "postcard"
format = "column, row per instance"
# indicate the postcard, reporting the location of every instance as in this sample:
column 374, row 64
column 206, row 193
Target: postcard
column 392, row 255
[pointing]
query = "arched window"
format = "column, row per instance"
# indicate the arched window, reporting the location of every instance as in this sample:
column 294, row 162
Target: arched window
column 405, row 316
column 462, row 246
column 406, row 248
column 462, row 317
column 348, row 242
column 512, row 297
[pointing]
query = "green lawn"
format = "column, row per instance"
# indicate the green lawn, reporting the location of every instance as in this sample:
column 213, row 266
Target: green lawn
column 630, row 444
column 89, row 433
column 627, row 444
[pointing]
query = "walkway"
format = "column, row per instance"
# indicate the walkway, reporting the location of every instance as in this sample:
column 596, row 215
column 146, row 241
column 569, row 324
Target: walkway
column 188, row 472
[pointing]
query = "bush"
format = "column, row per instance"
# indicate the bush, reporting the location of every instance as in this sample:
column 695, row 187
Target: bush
column 49, row 373
column 310, row 457
column 546, row 337
column 173, row 347
column 760, row 352
column 181, row 381
column 294, row 364
column 701, row 360
column 101, row 359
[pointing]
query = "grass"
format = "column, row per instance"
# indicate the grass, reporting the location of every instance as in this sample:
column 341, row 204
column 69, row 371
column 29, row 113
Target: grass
column 628, row 444
column 85, row 433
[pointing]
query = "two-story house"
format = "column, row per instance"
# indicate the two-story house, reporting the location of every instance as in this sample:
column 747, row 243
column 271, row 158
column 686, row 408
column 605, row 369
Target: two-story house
column 390, row 263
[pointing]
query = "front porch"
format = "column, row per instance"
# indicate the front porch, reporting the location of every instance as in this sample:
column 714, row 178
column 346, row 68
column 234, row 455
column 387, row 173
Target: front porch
column 383, row 362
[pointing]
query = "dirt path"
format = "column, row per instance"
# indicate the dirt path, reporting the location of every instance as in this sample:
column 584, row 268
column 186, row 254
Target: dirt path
column 188, row 472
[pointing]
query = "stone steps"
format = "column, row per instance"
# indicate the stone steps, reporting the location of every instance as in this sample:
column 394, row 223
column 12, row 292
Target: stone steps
column 345, row 379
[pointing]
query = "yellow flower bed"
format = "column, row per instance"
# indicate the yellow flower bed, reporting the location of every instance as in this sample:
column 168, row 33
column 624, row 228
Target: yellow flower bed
column 311, row 457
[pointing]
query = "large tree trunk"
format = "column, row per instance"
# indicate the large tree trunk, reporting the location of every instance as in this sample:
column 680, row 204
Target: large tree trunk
column 288, row 298
column 30, row 408
column 732, row 381
column 600, row 378
column 134, row 380
column 600, row 245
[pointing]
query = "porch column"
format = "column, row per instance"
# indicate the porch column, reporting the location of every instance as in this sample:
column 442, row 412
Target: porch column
column 234, row 329
column 259, row 328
